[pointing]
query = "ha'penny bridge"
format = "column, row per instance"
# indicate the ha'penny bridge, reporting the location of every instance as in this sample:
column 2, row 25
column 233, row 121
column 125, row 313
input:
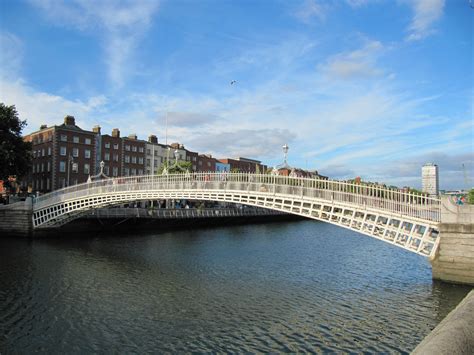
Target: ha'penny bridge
column 405, row 220
column 429, row 226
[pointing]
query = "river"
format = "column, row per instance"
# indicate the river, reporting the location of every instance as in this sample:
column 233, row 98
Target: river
column 276, row 287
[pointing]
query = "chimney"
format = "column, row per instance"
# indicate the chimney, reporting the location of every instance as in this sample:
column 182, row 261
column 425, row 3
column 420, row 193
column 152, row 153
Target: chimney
column 69, row 120
column 153, row 139
column 96, row 129
column 116, row 133
column 132, row 136
column 43, row 126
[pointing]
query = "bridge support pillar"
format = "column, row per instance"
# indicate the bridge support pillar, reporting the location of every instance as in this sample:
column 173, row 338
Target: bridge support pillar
column 454, row 259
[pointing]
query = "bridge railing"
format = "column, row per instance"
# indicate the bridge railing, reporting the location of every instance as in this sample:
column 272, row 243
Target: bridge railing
column 366, row 196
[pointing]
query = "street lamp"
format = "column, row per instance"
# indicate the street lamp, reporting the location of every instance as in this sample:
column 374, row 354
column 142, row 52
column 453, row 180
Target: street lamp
column 285, row 152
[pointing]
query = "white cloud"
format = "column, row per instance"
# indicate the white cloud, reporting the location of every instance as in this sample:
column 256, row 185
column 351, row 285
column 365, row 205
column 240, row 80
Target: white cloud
column 356, row 64
column 43, row 108
column 426, row 13
column 311, row 9
column 120, row 25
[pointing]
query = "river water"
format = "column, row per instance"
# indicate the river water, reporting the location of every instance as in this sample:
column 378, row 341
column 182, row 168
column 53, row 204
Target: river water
column 277, row 287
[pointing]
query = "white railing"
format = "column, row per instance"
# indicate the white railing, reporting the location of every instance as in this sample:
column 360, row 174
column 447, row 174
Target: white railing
column 365, row 196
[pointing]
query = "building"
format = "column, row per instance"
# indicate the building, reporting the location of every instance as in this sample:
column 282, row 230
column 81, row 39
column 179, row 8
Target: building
column 156, row 155
column 109, row 150
column 244, row 165
column 221, row 167
column 430, row 179
column 62, row 156
column 133, row 156
column 206, row 162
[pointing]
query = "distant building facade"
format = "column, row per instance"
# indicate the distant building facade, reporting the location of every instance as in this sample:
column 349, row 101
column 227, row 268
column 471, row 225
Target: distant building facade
column 430, row 179
column 244, row 165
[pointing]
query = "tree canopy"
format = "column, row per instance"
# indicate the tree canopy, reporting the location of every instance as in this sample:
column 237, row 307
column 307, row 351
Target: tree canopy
column 182, row 167
column 15, row 154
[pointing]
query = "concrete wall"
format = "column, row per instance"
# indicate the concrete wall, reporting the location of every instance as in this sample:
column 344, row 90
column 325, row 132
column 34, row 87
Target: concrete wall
column 455, row 333
column 454, row 260
column 16, row 219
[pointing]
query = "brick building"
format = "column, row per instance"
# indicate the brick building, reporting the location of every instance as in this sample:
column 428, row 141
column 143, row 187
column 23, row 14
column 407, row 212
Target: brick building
column 206, row 163
column 133, row 156
column 244, row 165
column 62, row 156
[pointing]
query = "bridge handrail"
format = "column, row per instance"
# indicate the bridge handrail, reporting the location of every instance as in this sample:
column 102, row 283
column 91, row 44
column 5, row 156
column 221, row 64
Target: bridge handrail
column 367, row 195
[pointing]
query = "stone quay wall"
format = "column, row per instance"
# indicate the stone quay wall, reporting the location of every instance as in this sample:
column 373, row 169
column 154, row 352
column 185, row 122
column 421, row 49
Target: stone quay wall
column 455, row 333
column 454, row 260
column 16, row 219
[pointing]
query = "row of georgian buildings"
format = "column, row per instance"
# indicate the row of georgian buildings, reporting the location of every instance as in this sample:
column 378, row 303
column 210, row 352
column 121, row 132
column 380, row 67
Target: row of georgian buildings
column 67, row 155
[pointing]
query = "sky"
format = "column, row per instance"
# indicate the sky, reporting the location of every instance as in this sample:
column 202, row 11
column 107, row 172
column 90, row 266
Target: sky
column 369, row 88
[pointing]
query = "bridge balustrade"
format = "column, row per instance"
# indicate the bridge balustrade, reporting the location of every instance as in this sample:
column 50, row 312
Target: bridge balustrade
column 365, row 196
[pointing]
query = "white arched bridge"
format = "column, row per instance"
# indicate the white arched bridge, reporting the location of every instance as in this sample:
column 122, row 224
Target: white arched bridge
column 407, row 220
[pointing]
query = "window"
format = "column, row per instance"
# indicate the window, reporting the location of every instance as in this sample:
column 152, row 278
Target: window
column 115, row 145
column 75, row 139
column 148, row 151
column 134, row 160
column 115, row 171
column 42, row 167
column 106, row 169
column 194, row 158
column 140, row 171
column 134, row 148
column 33, row 169
column 127, row 159
column 107, row 145
column 75, row 152
column 62, row 166
column 156, row 162
column 148, row 162
column 62, row 151
column 87, row 168
column 126, row 171
column 156, row 153
column 140, row 160
column 87, row 141
column 47, row 184
column 208, row 163
column 63, row 138
column 133, row 171
column 141, row 149
column 75, row 167
column 115, row 157
column 49, row 167
column 87, row 153
column 49, row 150
column 42, row 152
column 107, row 156
column 127, row 148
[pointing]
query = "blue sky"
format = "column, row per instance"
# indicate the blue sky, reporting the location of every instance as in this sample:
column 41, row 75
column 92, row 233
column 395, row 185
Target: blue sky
column 368, row 88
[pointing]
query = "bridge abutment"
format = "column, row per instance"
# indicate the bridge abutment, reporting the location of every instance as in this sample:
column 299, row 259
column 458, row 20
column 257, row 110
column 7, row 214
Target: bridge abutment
column 454, row 259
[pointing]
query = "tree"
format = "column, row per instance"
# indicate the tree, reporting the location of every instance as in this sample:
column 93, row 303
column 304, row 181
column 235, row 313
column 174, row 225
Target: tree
column 470, row 197
column 14, row 152
column 182, row 167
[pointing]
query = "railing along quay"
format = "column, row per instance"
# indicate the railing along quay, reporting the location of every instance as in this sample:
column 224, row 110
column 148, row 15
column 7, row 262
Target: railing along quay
column 364, row 196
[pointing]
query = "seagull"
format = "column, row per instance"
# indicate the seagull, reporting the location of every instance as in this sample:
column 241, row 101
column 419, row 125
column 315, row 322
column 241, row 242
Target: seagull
column 233, row 82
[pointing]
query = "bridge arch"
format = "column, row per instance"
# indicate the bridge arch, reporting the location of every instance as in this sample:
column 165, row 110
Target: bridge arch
column 404, row 220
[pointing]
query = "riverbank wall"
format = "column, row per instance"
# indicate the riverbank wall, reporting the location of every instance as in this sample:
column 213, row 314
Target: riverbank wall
column 454, row 260
column 455, row 333
column 16, row 219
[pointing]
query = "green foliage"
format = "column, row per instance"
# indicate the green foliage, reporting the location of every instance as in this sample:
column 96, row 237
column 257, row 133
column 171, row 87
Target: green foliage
column 15, row 154
column 470, row 197
column 182, row 167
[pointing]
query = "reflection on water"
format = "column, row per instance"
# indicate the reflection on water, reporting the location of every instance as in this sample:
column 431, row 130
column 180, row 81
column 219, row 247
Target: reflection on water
column 297, row 286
